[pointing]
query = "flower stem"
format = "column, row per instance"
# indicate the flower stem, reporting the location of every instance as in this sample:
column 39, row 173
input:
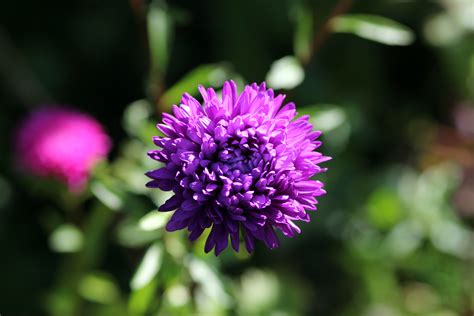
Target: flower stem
column 340, row 8
column 65, row 298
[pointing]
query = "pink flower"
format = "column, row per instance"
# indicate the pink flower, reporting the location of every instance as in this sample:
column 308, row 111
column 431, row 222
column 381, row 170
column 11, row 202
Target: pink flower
column 61, row 143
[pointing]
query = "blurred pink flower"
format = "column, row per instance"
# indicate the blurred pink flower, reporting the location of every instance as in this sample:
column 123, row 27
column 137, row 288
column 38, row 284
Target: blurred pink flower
column 61, row 143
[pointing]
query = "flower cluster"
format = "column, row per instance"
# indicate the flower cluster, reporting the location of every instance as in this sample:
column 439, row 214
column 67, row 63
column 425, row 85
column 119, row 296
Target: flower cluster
column 61, row 143
column 240, row 165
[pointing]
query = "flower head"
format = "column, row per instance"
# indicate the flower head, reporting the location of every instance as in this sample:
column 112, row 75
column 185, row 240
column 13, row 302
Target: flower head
column 239, row 164
column 61, row 143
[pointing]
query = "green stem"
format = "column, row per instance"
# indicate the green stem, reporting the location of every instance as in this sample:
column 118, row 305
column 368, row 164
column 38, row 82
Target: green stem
column 341, row 7
column 66, row 300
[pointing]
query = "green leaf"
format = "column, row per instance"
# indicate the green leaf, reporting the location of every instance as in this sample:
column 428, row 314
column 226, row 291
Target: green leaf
column 451, row 237
column 140, row 299
column 148, row 268
column 333, row 120
column 403, row 239
column 374, row 28
column 144, row 283
column 203, row 274
column 129, row 234
column 153, row 221
column 99, row 287
column 135, row 117
column 285, row 73
column 209, row 74
column 326, row 117
column 384, row 209
column 177, row 295
column 111, row 197
column 259, row 292
column 66, row 238
column 159, row 33
column 304, row 25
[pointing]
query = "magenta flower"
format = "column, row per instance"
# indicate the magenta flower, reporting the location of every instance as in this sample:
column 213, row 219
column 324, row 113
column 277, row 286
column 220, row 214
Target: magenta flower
column 240, row 164
column 61, row 143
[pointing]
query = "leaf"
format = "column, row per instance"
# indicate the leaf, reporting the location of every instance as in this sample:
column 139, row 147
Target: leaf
column 107, row 195
column 334, row 121
column 153, row 221
column 208, row 279
column 384, row 209
column 374, row 28
column 178, row 295
column 159, row 32
column 148, row 268
column 452, row 238
column 66, row 238
column 404, row 238
column 259, row 292
column 135, row 117
column 140, row 299
column 129, row 234
column 99, row 287
column 144, row 283
column 285, row 73
column 303, row 19
column 326, row 117
column 209, row 74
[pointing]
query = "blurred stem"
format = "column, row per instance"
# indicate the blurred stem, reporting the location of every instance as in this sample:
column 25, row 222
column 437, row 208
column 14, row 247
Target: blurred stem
column 76, row 265
column 304, row 21
column 139, row 11
column 341, row 7
column 153, row 30
column 159, row 33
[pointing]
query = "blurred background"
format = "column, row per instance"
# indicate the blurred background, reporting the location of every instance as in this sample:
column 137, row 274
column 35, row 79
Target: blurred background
column 390, row 83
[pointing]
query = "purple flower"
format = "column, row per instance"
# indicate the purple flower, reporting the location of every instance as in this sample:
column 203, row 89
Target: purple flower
column 239, row 165
column 61, row 143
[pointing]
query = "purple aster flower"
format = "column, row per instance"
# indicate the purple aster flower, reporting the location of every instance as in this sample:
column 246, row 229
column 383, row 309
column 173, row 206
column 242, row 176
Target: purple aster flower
column 61, row 143
column 239, row 165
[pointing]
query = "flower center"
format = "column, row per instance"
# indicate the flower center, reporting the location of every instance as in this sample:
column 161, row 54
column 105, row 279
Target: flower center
column 236, row 171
